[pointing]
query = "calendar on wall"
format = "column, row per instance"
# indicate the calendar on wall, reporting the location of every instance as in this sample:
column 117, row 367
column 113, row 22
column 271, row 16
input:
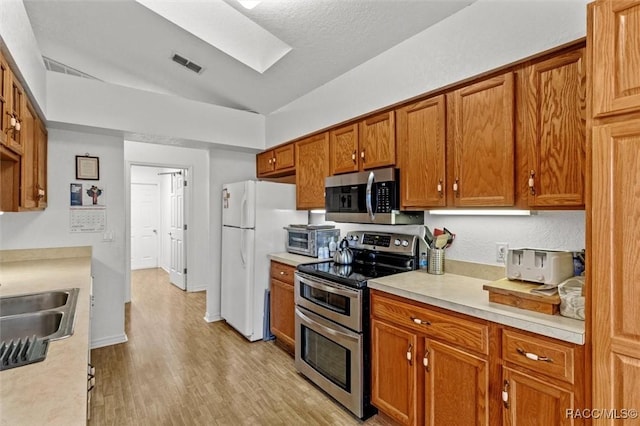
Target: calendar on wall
column 87, row 219
column 87, row 208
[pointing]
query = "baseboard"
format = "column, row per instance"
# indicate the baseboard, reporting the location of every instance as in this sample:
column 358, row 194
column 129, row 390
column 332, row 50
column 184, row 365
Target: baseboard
column 108, row 341
column 212, row 318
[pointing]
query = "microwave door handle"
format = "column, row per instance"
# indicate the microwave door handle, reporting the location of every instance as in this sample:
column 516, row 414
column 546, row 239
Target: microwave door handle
column 368, row 196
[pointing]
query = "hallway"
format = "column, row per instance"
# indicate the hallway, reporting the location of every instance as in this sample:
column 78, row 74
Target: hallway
column 176, row 369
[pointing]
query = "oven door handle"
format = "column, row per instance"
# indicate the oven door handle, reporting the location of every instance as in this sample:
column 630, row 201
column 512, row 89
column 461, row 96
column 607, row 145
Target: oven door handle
column 368, row 195
column 324, row 329
column 327, row 288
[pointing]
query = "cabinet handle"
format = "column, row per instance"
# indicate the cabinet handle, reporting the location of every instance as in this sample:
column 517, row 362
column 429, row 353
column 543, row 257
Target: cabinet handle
column 455, row 187
column 353, row 157
column 425, row 360
column 362, row 156
column 270, row 160
column 409, row 354
column 419, row 321
column 533, row 356
column 440, row 188
column 274, row 160
column 532, row 182
column 282, row 272
column 505, row 394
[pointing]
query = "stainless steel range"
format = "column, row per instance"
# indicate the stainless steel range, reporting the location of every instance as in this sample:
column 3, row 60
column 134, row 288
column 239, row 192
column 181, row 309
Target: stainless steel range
column 332, row 315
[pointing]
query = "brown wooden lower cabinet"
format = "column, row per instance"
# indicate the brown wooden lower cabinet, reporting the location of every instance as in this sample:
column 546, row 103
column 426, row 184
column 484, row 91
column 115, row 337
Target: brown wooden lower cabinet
column 423, row 376
column 282, row 305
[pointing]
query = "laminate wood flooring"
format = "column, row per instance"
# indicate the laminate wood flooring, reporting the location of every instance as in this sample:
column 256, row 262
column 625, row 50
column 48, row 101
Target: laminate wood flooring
column 177, row 369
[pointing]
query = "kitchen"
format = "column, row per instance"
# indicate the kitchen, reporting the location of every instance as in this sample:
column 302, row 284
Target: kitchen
column 551, row 25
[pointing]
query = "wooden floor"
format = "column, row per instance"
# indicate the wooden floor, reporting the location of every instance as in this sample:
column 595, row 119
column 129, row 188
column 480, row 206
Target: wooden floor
column 177, row 369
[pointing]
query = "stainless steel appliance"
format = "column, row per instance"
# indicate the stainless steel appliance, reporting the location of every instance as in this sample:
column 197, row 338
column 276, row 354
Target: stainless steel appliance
column 307, row 239
column 367, row 197
column 332, row 315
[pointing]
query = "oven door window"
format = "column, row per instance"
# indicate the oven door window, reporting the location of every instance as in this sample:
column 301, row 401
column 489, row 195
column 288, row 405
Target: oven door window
column 326, row 357
column 334, row 302
column 299, row 240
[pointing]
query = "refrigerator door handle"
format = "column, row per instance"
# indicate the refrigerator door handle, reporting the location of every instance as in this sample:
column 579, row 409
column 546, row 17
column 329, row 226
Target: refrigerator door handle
column 242, row 258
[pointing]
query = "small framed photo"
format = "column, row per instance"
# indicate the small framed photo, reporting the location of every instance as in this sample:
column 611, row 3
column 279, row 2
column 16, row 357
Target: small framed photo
column 87, row 168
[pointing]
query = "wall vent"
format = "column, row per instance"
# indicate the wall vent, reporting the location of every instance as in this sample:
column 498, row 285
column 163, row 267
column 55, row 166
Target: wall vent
column 179, row 59
column 56, row 66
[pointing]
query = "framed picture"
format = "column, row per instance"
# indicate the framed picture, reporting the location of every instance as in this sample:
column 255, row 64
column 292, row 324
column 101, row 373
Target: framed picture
column 87, row 168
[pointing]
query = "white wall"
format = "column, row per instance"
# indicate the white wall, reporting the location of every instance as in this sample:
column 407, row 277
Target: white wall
column 18, row 37
column 50, row 228
column 108, row 106
column 196, row 161
column 484, row 36
column 226, row 167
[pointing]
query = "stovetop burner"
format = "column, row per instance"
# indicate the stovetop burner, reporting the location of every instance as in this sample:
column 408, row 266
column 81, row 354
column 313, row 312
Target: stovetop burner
column 375, row 255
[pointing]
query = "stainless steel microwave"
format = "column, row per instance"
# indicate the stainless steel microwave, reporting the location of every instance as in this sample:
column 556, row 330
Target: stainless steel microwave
column 367, row 197
column 307, row 239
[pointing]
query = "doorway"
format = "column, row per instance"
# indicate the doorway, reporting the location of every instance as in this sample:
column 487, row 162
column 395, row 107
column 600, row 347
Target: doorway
column 158, row 225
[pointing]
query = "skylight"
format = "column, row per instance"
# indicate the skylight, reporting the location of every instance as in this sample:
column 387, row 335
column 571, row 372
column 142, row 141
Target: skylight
column 224, row 28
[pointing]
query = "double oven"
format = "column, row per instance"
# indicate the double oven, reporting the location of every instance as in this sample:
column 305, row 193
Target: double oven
column 332, row 330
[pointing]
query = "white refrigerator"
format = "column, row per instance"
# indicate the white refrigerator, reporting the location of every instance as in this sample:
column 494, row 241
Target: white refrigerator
column 254, row 214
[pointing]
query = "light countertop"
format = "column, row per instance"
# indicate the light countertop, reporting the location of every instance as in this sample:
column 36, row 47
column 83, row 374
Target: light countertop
column 465, row 295
column 294, row 259
column 54, row 391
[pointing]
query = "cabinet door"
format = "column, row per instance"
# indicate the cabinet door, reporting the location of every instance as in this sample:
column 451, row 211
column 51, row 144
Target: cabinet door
column 29, row 162
column 378, row 141
column 17, row 108
column 4, row 98
column 312, row 167
column 615, row 273
column 343, row 149
column 282, row 312
column 284, row 158
column 41, row 160
column 555, row 130
column 265, row 163
column 483, row 143
column 394, row 372
column 420, row 129
column 530, row 401
column 616, row 57
column 457, row 386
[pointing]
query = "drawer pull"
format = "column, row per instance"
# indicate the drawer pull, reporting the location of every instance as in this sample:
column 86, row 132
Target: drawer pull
column 505, row 394
column 419, row 321
column 409, row 354
column 282, row 272
column 533, row 356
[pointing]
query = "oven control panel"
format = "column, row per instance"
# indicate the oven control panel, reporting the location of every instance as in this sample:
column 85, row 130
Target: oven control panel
column 381, row 241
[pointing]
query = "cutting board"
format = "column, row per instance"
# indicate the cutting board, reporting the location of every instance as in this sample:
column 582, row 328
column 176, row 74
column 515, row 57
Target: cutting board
column 518, row 294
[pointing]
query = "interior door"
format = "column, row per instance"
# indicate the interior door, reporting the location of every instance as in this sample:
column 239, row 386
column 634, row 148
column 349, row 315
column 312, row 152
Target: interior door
column 144, row 225
column 177, row 264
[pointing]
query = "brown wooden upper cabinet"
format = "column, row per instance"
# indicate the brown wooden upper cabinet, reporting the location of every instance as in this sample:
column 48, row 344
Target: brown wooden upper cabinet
column 552, row 108
column 12, row 108
column 481, row 150
column 312, row 167
column 421, row 133
column 4, row 98
column 279, row 161
column 368, row 144
column 33, row 164
column 616, row 29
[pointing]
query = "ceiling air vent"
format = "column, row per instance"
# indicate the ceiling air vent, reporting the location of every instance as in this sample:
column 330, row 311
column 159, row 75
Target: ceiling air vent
column 186, row 63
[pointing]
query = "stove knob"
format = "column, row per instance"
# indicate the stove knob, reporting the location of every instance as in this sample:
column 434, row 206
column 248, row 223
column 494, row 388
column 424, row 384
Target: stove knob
column 405, row 243
column 396, row 242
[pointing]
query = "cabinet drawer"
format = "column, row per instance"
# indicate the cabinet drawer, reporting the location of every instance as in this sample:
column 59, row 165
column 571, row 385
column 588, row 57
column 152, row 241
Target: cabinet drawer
column 282, row 272
column 449, row 328
column 553, row 358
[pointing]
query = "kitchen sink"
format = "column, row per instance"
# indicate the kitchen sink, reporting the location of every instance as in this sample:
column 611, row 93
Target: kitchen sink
column 34, row 302
column 28, row 322
column 41, row 324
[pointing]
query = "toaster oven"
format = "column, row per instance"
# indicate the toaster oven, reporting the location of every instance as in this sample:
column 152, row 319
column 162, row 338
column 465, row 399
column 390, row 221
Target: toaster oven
column 307, row 239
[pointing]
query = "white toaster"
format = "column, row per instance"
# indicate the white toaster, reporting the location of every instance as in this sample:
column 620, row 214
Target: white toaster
column 540, row 266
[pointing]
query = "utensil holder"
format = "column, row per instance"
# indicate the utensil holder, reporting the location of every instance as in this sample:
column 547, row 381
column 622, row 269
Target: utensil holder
column 436, row 261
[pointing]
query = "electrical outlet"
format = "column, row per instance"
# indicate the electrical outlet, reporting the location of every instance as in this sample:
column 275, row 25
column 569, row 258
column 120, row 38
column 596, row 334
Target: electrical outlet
column 501, row 252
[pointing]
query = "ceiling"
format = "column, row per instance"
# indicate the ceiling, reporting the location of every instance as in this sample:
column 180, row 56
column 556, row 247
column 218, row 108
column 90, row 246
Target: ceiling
column 123, row 42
